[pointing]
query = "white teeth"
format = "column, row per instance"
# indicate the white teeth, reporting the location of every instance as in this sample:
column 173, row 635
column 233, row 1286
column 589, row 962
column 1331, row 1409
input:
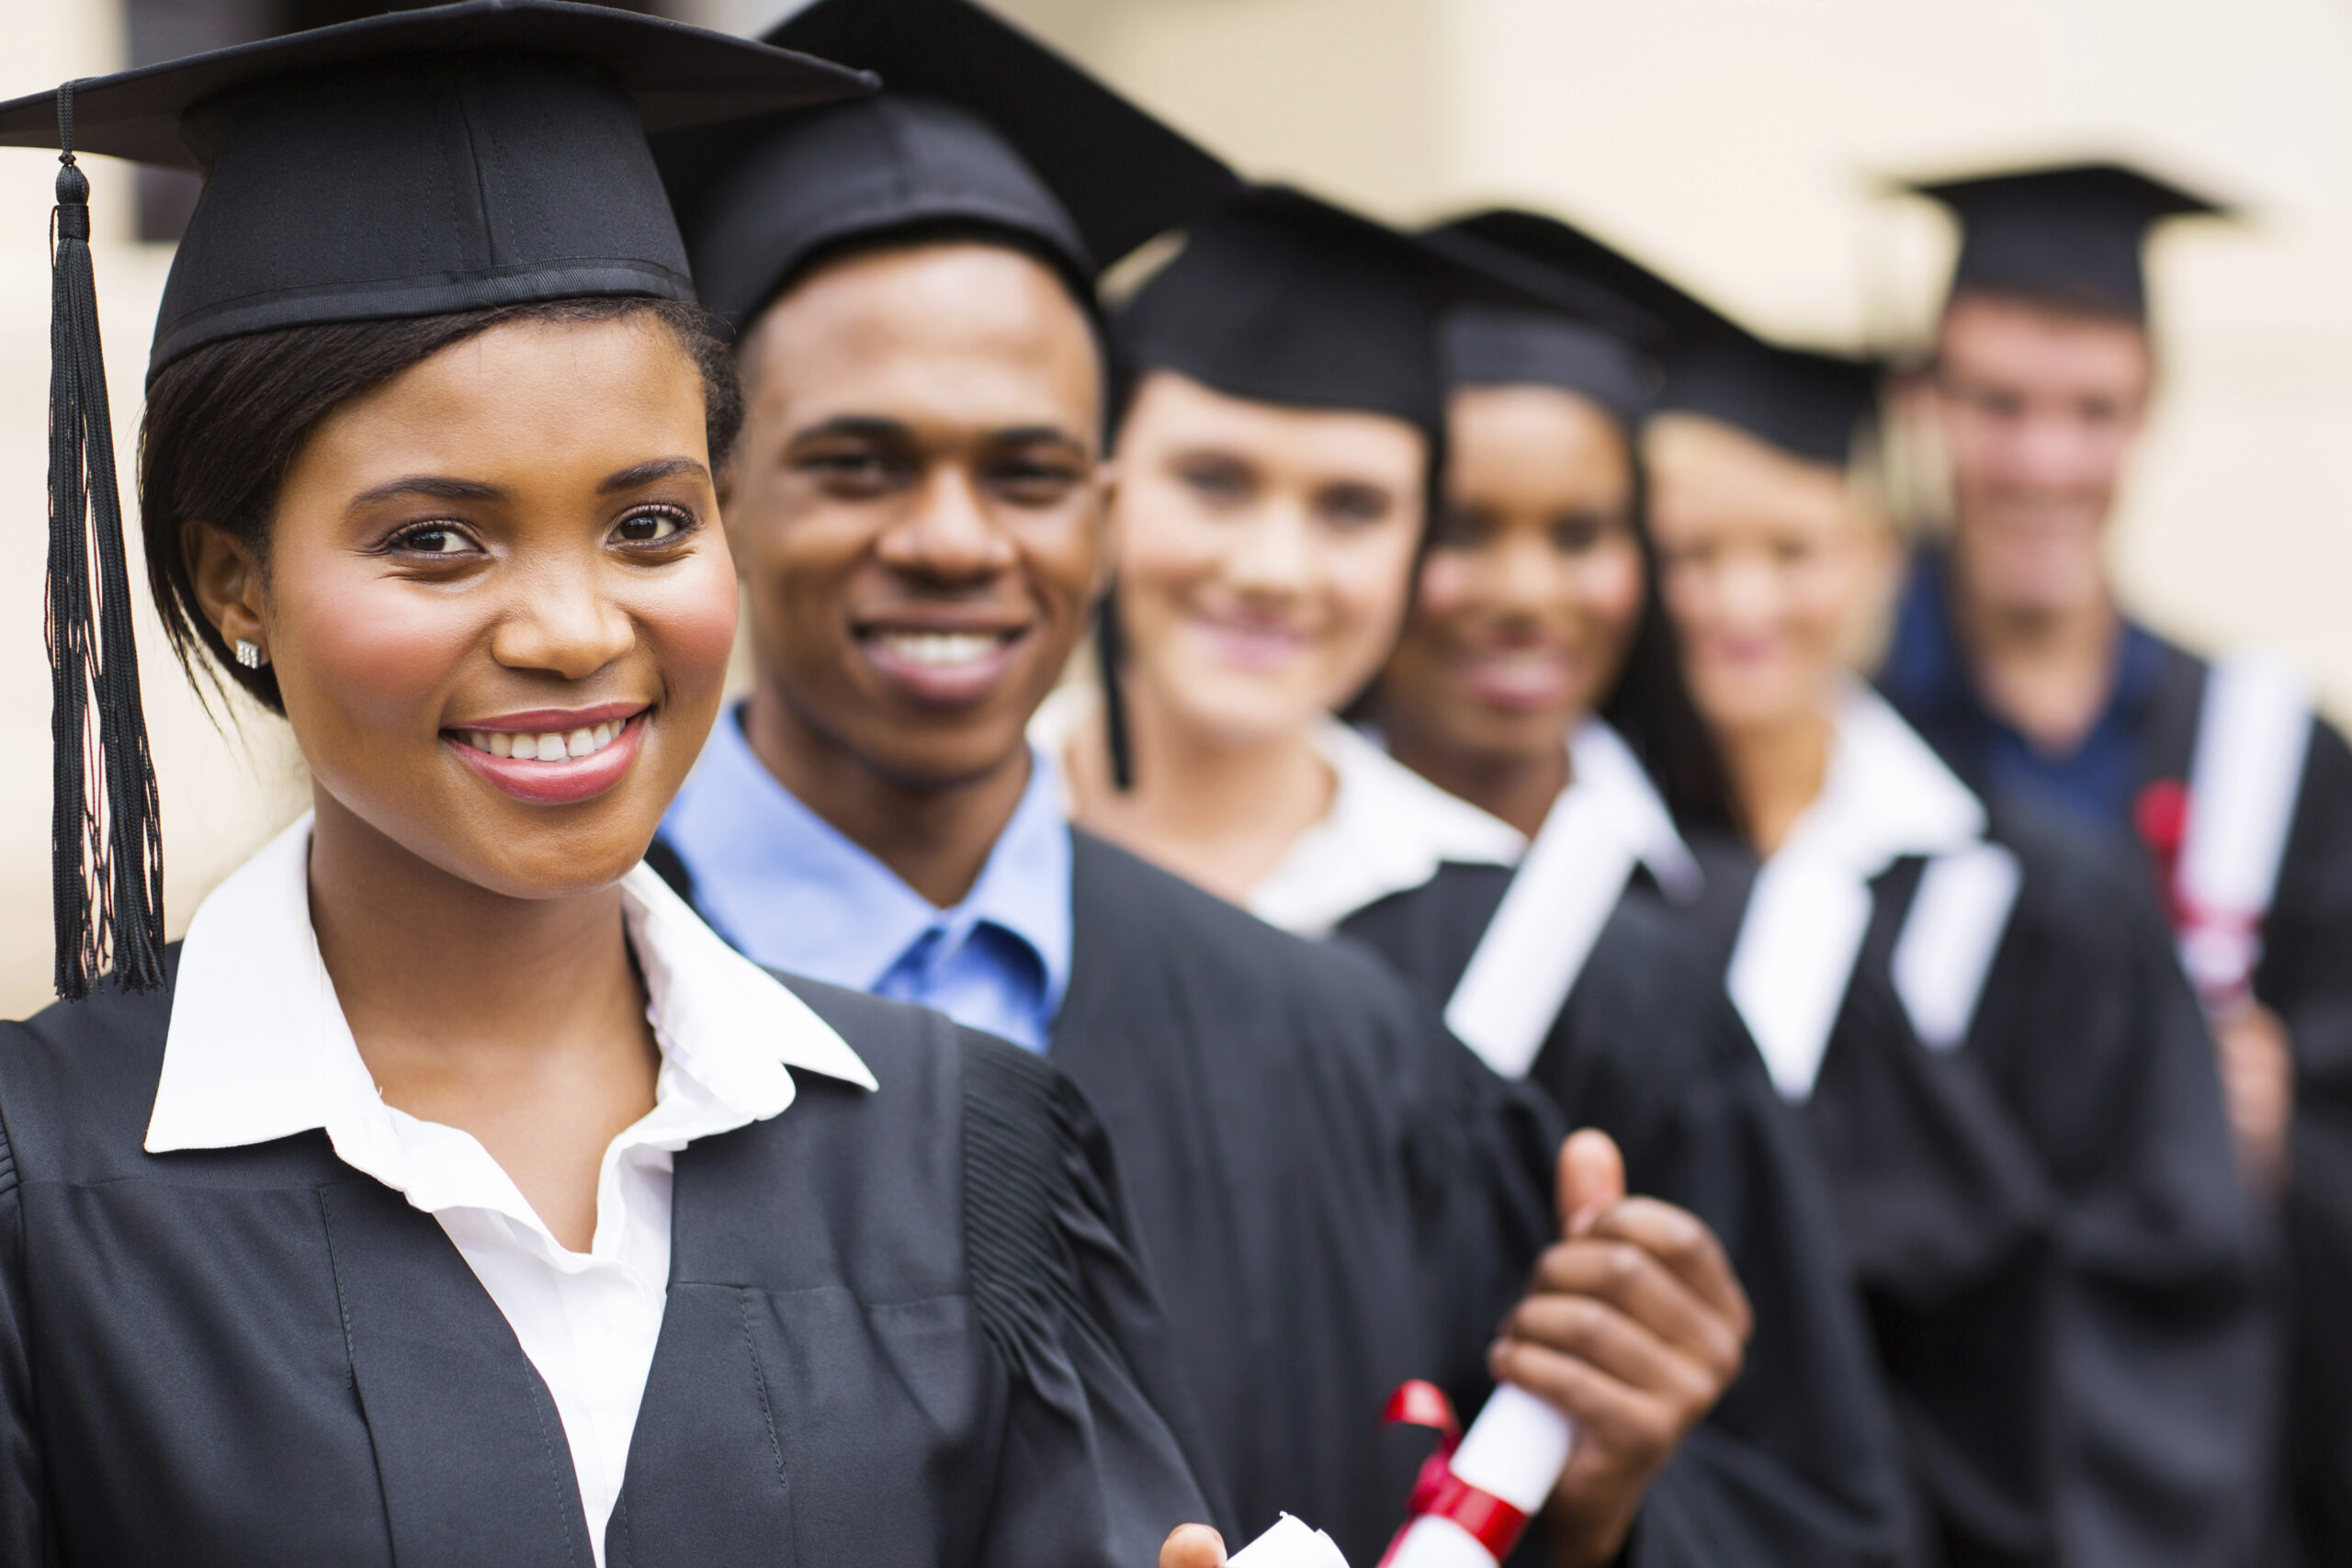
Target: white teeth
column 940, row 648
column 552, row 747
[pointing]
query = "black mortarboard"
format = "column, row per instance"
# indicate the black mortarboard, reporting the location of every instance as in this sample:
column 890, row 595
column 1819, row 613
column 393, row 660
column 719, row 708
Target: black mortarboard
column 1630, row 313
column 1809, row 404
column 413, row 164
column 2070, row 236
column 980, row 124
column 1278, row 298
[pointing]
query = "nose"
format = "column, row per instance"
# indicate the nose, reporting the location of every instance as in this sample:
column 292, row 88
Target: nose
column 564, row 621
column 949, row 534
column 1272, row 557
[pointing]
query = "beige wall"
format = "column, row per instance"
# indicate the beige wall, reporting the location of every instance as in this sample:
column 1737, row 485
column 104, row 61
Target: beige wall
column 1727, row 140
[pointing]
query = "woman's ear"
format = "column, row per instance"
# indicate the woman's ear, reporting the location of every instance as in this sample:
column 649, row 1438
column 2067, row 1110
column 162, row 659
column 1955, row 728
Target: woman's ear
column 227, row 577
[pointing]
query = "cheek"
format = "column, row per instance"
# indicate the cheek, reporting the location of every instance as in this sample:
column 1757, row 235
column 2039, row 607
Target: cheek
column 1164, row 546
column 1448, row 585
column 1371, row 580
column 689, row 613
column 373, row 655
column 1609, row 589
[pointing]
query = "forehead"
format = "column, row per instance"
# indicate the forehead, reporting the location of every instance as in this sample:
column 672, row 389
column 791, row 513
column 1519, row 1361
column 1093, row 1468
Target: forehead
column 1173, row 412
column 960, row 331
column 1708, row 480
column 1995, row 336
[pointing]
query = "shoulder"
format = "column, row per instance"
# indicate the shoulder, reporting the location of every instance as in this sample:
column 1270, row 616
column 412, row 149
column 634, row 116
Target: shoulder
column 77, row 1081
column 1138, row 916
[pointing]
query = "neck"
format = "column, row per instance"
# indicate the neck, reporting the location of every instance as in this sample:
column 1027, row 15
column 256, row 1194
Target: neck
column 450, row 988
column 2047, row 669
column 935, row 836
column 1217, row 812
column 1519, row 787
column 1777, row 770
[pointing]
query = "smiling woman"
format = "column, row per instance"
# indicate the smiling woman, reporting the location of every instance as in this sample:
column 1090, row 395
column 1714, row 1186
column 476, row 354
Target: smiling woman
column 450, row 1146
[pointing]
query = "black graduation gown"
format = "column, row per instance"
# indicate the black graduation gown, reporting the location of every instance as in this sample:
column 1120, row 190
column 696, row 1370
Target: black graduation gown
column 2061, row 1271
column 2305, row 977
column 1797, row 1464
column 902, row 1328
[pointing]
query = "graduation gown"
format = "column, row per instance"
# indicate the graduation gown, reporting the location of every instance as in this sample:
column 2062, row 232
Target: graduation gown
column 1797, row 1463
column 901, row 1327
column 2303, row 977
column 2044, row 1220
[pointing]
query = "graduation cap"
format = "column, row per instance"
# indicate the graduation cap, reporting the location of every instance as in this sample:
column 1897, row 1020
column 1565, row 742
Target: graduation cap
column 980, row 126
column 1810, row 404
column 1278, row 297
column 485, row 154
column 1616, row 315
column 2069, row 235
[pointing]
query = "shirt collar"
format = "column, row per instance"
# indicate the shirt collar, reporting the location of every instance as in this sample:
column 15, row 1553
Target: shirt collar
column 1887, row 794
column 1604, row 768
column 1388, row 829
column 258, row 1047
column 849, row 917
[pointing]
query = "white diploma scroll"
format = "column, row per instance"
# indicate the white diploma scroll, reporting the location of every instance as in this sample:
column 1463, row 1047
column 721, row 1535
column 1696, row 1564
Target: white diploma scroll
column 1290, row 1544
column 1514, row 1452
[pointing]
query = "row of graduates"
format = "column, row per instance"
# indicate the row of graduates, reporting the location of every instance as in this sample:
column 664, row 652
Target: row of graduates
column 300, row 1269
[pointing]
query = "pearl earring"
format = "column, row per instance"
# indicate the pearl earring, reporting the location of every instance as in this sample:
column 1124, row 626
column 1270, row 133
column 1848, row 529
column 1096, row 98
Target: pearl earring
column 250, row 654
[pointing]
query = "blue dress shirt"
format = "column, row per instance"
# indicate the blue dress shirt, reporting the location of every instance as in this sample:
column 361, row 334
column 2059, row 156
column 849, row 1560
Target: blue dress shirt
column 785, row 886
column 2093, row 785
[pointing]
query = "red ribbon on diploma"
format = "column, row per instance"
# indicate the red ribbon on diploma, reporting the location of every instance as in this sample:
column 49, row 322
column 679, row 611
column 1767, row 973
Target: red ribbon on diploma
column 1439, row 1493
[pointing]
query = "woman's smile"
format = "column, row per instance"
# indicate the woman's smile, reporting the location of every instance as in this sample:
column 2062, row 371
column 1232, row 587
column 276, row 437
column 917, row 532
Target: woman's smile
column 551, row 757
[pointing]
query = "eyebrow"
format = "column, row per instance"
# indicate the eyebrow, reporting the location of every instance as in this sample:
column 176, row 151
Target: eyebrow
column 437, row 486
column 646, row 473
column 873, row 427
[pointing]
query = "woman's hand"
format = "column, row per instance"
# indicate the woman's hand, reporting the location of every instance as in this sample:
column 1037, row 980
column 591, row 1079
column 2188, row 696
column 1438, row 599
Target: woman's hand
column 1193, row 1546
column 1634, row 1324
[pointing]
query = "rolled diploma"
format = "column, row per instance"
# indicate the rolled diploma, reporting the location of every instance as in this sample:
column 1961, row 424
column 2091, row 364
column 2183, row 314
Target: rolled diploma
column 1292, row 1543
column 1515, row 1450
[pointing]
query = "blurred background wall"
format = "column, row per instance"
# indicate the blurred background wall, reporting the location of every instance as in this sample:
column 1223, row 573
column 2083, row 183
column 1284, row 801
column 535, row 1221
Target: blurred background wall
column 1739, row 144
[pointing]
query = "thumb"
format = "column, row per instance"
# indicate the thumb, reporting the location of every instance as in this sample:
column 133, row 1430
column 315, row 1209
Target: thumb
column 1591, row 1179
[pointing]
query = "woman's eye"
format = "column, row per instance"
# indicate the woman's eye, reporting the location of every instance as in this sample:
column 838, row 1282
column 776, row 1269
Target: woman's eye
column 657, row 527
column 432, row 539
column 1354, row 505
column 1218, row 484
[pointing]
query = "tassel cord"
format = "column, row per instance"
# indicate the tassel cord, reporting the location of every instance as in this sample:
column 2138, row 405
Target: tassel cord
column 107, row 852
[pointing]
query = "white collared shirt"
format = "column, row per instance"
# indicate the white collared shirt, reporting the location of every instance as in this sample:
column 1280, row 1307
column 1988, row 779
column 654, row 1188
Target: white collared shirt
column 259, row 1049
column 1388, row 829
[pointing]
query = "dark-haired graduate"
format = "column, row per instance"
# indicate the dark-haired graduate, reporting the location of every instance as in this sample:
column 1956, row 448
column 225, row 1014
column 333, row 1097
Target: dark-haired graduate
column 2015, row 659
column 1536, row 678
column 1334, row 1196
column 452, row 1195
column 2005, row 1073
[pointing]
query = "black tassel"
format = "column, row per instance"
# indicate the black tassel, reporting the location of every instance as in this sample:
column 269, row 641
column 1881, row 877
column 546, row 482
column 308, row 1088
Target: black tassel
column 1109, row 654
column 106, row 833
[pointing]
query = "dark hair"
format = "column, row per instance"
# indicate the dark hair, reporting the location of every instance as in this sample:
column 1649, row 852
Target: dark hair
column 1651, row 704
column 225, row 423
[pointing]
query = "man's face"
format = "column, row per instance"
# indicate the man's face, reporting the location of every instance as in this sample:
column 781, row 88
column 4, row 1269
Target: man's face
column 2040, row 408
column 916, row 504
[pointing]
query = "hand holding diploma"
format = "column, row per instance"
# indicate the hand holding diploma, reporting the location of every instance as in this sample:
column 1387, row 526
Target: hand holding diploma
column 1633, row 1326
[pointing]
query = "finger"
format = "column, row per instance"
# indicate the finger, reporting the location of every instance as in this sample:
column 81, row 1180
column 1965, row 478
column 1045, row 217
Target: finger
column 1591, row 1177
column 1606, row 1412
column 1644, row 1289
column 1193, row 1546
column 1683, row 1242
column 1594, row 1332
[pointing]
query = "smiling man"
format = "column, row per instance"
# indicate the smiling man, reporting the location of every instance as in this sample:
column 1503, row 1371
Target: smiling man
column 2013, row 657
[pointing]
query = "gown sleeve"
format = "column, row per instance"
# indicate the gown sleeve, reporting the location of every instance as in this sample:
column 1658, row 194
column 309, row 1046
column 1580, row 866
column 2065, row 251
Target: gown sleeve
column 2163, row 1342
column 1100, row 1449
column 25, row 1534
column 1797, row 1463
column 2306, row 979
